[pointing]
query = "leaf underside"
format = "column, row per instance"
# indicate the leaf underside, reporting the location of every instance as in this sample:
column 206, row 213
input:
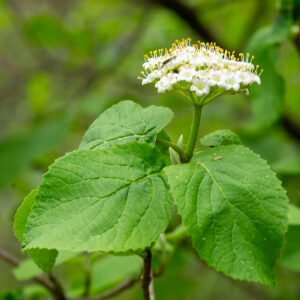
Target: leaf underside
column 235, row 210
column 103, row 200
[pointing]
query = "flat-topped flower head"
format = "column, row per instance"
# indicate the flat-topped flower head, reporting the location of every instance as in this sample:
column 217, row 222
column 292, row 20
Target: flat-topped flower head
column 204, row 69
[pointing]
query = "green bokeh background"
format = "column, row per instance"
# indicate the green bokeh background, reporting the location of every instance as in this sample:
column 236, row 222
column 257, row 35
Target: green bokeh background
column 62, row 62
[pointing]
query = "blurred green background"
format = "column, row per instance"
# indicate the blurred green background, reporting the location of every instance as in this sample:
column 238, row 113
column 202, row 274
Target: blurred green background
column 62, row 62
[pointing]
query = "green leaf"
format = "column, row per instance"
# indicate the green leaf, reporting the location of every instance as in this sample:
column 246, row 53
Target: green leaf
column 22, row 214
column 111, row 199
column 220, row 138
column 44, row 258
column 235, row 210
column 16, row 153
column 294, row 215
column 124, row 122
column 112, row 270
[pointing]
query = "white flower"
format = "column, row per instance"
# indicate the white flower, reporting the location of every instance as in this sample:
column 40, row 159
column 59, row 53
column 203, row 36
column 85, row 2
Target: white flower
column 243, row 77
column 186, row 73
column 205, row 68
column 232, row 83
column 217, row 78
column 166, row 82
column 200, row 87
column 152, row 76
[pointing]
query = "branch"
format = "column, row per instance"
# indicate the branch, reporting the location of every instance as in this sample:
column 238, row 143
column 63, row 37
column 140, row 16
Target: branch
column 126, row 284
column 9, row 258
column 189, row 15
column 50, row 283
column 291, row 127
column 146, row 280
column 87, row 282
column 58, row 292
column 178, row 149
column 297, row 40
column 258, row 14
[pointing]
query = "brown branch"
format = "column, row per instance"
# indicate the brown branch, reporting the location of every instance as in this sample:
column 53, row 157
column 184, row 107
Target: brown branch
column 188, row 14
column 258, row 14
column 9, row 258
column 50, row 283
column 291, row 127
column 87, row 282
column 297, row 41
column 126, row 284
column 146, row 279
column 58, row 291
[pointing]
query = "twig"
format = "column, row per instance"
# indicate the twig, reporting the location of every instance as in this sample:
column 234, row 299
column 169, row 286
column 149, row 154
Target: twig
column 292, row 128
column 87, row 282
column 146, row 279
column 126, row 284
column 58, row 291
column 178, row 149
column 258, row 14
column 188, row 14
column 297, row 42
column 50, row 283
column 9, row 258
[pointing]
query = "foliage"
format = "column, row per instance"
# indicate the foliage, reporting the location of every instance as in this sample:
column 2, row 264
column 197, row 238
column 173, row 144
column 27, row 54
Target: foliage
column 127, row 188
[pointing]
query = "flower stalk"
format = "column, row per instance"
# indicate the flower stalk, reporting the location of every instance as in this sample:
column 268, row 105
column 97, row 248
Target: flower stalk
column 194, row 131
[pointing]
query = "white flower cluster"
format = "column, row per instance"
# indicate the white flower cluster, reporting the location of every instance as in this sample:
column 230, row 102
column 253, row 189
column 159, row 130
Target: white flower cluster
column 204, row 68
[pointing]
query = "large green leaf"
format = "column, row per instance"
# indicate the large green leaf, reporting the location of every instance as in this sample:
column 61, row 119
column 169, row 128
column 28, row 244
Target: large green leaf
column 44, row 258
column 111, row 199
column 124, row 122
column 235, row 210
column 16, row 153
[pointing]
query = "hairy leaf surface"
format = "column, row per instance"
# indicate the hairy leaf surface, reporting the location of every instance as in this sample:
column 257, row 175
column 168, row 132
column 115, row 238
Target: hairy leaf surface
column 124, row 122
column 111, row 199
column 235, row 210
